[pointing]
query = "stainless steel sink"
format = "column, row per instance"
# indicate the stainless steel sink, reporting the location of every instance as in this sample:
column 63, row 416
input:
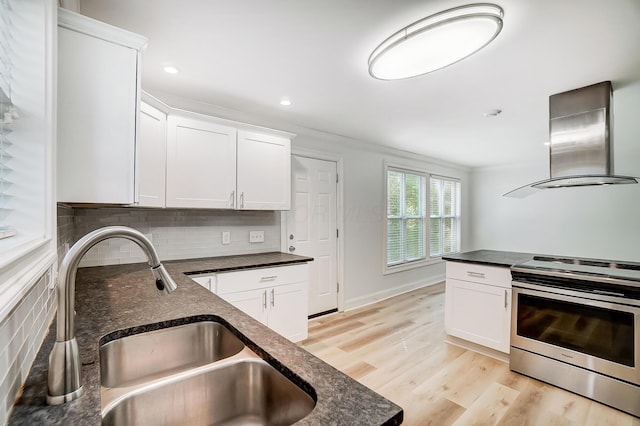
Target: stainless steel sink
column 139, row 358
column 246, row 392
column 194, row 374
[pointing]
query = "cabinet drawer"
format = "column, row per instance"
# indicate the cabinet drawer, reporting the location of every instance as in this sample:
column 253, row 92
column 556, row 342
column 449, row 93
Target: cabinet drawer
column 251, row 279
column 493, row 275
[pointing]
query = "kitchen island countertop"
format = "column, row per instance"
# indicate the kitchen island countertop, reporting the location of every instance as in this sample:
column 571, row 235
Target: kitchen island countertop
column 490, row 257
column 110, row 298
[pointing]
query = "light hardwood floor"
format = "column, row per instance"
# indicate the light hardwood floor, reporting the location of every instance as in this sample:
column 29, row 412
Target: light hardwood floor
column 396, row 347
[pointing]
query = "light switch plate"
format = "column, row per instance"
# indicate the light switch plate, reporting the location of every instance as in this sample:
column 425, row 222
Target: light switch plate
column 256, row 236
column 226, row 237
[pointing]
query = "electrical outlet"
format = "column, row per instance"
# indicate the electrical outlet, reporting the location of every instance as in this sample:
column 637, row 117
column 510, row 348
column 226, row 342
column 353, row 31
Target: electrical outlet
column 256, row 237
column 226, row 237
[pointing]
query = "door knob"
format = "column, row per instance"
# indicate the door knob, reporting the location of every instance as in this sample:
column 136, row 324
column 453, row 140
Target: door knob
column 292, row 248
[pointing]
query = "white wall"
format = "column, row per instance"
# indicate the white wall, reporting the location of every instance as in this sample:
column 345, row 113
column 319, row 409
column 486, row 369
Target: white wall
column 600, row 222
column 363, row 201
column 364, row 213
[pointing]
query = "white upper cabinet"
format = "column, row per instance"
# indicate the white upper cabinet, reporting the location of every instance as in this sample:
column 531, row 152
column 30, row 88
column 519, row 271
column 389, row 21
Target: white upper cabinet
column 98, row 97
column 113, row 149
column 214, row 165
column 201, row 163
column 264, row 171
column 152, row 156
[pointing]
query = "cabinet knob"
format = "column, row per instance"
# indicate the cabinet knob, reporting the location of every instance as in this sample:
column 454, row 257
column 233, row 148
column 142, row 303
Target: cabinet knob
column 292, row 248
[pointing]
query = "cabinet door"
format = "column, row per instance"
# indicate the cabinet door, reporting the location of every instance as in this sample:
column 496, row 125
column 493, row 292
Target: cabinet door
column 264, row 172
column 288, row 310
column 97, row 104
column 205, row 281
column 152, row 156
column 478, row 313
column 253, row 303
column 200, row 163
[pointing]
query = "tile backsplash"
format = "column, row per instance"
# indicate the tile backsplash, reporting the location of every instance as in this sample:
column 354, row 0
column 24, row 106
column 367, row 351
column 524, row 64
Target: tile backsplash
column 176, row 234
column 21, row 334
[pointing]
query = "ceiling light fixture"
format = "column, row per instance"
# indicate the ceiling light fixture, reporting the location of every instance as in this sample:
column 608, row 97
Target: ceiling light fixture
column 170, row 69
column 285, row 102
column 436, row 41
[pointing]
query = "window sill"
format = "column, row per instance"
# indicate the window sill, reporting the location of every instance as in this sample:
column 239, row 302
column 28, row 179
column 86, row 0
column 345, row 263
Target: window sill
column 13, row 248
column 23, row 259
column 413, row 265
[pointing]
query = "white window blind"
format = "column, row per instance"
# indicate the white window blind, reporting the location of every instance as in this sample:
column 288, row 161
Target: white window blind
column 27, row 139
column 422, row 220
column 444, row 216
column 406, row 212
column 7, row 114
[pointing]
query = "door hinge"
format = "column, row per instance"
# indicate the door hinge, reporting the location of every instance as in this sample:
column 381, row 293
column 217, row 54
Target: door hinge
column 337, row 287
column 337, row 233
column 337, row 178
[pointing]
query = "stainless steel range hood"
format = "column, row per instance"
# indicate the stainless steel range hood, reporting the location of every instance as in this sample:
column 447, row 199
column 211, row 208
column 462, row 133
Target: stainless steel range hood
column 580, row 134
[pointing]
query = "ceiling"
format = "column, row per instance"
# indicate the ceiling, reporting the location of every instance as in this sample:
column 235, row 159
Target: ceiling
column 247, row 54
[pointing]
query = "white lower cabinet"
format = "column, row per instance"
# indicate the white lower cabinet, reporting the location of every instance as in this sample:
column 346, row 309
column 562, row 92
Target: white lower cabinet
column 478, row 304
column 277, row 297
column 204, row 280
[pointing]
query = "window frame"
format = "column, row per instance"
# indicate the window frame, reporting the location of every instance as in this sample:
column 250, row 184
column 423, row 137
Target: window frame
column 442, row 217
column 428, row 258
column 27, row 256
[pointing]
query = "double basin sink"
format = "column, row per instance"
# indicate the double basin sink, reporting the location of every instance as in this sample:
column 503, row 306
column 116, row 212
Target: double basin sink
column 196, row 373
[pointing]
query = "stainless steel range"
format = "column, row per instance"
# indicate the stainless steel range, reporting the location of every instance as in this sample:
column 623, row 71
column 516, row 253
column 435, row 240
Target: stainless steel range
column 576, row 325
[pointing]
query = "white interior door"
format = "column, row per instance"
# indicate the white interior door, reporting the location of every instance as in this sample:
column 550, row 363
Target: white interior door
column 312, row 228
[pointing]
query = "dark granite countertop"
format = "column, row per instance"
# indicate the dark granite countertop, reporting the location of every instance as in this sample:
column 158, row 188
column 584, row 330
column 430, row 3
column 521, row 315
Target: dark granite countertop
column 110, row 298
column 239, row 262
column 490, row 257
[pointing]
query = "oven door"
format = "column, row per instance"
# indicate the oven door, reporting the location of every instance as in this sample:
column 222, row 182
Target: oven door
column 570, row 326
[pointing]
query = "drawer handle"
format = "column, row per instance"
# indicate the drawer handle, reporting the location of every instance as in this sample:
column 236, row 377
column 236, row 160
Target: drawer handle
column 269, row 278
column 475, row 274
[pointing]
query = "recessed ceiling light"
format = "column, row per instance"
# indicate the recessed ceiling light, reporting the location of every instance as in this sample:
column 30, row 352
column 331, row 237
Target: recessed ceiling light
column 436, row 41
column 170, row 69
column 285, row 102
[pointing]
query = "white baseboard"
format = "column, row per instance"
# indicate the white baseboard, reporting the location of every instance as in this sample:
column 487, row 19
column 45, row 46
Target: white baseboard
column 369, row 299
